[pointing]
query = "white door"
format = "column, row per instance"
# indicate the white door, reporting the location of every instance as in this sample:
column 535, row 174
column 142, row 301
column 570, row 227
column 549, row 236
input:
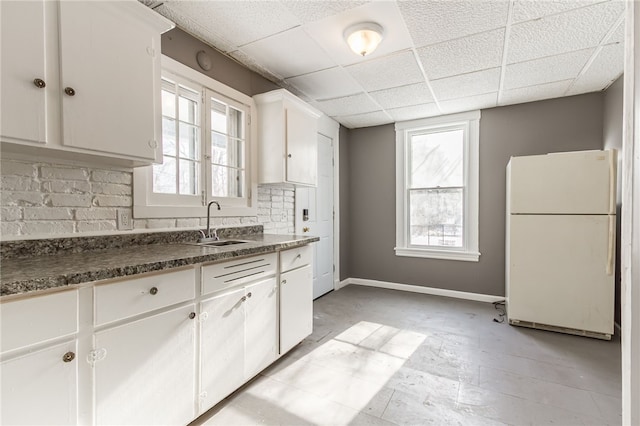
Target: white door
column 296, row 307
column 40, row 388
column 319, row 203
column 561, row 271
column 261, row 326
column 566, row 183
column 222, row 347
column 147, row 375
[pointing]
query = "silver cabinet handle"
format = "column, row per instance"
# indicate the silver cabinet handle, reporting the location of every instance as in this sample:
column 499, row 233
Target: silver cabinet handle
column 249, row 294
column 68, row 357
column 153, row 291
column 39, row 83
column 70, row 91
column 243, row 299
column 284, row 282
column 192, row 315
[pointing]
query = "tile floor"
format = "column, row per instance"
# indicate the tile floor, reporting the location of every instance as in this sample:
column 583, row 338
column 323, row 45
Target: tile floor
column 385, row 357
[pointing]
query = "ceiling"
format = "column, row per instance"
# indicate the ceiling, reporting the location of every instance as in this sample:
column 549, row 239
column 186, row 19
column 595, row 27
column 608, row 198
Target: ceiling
column 437, row 57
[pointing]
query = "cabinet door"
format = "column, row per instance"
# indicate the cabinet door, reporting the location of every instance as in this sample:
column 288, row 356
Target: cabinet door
column 260, row 327
column 22, row 34
column 296, row 307
column 302, row 147
column 111, row 61
column 40, row 388
column 222, row 347
column 147, row 371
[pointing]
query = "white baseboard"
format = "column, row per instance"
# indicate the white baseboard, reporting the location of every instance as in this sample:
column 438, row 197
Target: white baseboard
column 424, row 290
column 340, row 284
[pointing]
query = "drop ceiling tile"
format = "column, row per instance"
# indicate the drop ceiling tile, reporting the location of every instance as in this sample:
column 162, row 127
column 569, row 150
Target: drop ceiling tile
column 348, row 105
column 240, row 22
column 195, row 29
column 414, row 112
column 394, row 70
column 432, row 22
column 565, row 32
column 546, row 70
column 329, row 32
column 313, row 10
column 527, row 10
column 288, row 53
column 487, row 100
column 463, row 55
column 604, row 70
column 412, row 94
column 326, row 84
column 534, row 93
column 464, row 85
column 364, row 120
column 253, row 65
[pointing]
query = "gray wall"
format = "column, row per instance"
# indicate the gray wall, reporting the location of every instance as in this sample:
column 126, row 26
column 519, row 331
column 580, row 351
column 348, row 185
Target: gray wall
column 183, row 47
column 344, row 203
column 612, row 139
column 566, row 124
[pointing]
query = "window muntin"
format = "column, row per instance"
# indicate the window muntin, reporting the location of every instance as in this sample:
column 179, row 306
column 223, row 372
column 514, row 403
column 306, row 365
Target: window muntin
column 437, row 187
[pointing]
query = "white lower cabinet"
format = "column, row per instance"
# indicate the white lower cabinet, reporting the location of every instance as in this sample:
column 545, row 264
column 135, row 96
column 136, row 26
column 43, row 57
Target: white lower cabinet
column 40, row 388
column 238, row 338
column 296, row 307
column 144, row 371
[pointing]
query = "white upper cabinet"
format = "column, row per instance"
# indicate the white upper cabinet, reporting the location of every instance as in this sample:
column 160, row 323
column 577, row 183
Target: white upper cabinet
column 287, row 139
column 87, row 82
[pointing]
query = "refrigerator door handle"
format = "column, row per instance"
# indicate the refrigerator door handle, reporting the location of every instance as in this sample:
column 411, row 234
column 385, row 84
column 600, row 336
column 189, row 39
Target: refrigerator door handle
column 612, row 241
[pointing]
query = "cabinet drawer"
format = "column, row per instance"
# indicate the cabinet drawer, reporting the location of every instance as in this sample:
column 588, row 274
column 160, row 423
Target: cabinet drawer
column 295, row 258
column 219, row 276
column 38, row 319
column 132, row 297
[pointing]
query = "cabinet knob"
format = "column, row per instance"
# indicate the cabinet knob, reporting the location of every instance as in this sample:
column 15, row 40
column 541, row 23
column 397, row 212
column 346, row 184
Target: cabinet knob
column 39, row 83
column 249, row 294
column 192, row 315
column 69, row 91
column 284, row 281
column 289, row 155
column 305, row 229
column 153, row 291
column 68, row 357
column 243, row 299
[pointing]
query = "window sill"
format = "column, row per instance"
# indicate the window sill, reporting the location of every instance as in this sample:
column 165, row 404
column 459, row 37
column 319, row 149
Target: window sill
column 467, row 256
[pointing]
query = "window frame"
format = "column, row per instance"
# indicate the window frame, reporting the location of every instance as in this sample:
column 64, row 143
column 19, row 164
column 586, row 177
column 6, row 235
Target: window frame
column 470, row 123
column 147, row 204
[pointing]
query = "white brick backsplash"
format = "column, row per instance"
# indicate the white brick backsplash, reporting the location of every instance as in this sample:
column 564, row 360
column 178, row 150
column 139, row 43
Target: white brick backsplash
column 48, row 227
column 112, row 201
column 19, row 183
column 11, row 213
column 96, row 225
column 63, row 173
column 47, row 213
column 110, row 188
column 68, row 200
column 66, row 186
column 111, row 176
column 40, row 198
column 10, row 198
column 95, row 213
column 18, row 168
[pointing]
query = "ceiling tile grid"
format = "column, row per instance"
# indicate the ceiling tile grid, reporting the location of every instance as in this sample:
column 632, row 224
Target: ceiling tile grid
column 436, row 57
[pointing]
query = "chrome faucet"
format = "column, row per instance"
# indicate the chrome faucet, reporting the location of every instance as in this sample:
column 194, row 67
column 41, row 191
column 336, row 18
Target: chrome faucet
column 215, row 232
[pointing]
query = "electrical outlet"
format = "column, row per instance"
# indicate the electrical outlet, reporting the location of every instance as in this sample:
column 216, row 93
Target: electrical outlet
column 124, row 219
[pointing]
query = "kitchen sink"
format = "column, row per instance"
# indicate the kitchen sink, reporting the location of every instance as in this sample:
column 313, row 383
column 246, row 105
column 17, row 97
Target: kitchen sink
column 219, row 243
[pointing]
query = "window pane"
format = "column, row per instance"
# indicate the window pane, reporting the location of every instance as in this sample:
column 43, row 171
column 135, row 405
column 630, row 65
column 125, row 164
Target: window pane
column 226, row 151
column 168, row 136
column 218, row 117
column 236, row 127
column 437, row 159
column 226, row 182
column 189, row 171
column 164, row 176
column 188, row 110
column 436, row 217
column 189, row 144
column 168, row 104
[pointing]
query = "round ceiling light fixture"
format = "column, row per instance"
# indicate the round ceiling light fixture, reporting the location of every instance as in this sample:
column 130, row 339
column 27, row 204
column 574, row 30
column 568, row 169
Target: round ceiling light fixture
column 363, row 38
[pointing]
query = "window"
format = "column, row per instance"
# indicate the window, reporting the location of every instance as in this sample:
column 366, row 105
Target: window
column 206, row 149
column 437, row 187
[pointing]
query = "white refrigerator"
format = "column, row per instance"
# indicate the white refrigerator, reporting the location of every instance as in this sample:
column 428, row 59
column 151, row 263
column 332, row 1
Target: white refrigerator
column 560, row 242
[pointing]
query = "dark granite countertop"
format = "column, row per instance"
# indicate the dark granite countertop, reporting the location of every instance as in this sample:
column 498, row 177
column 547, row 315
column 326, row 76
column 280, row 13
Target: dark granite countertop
column 41, row 272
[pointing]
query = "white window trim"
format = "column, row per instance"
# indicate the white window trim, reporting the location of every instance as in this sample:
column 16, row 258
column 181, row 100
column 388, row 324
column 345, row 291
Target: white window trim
column 471, row 157
column 143, row 197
